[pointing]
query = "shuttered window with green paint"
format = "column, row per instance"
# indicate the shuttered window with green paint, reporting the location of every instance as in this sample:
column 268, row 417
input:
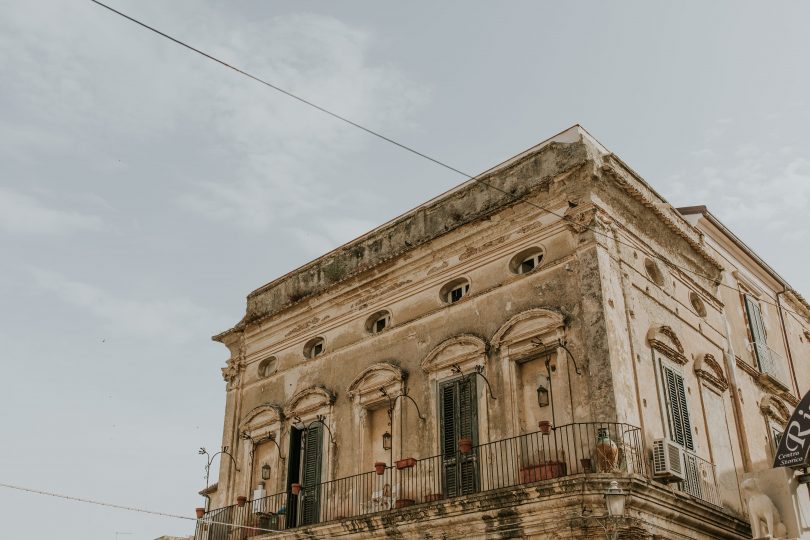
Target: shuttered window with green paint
column 459, row 419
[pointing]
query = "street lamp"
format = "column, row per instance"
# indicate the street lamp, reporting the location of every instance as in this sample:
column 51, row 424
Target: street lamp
column 265, row 472
column 615, row 498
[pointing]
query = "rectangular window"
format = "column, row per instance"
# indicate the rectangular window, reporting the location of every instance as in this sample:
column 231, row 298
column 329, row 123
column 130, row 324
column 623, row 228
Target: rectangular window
column 680, row 425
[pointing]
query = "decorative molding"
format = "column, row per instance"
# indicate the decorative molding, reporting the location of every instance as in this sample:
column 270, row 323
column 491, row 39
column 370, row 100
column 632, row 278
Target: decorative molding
column 709, row 370
column 664, row 340
column 529, row 324
column 750, row 287
column 763, row 380
column 366, row 386
column 308, row 400
column 456, row 350
column 790, row 398
column 773, row 408
column 262, row 416
column 748, row 368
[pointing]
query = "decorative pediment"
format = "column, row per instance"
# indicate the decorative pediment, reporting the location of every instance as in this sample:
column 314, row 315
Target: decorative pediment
column 664, row 340
column 773, row 408
column 709, row 370
column 308, row 400
column 529, row 330
column 366, row 386
column 262, row 417
column 456, row 350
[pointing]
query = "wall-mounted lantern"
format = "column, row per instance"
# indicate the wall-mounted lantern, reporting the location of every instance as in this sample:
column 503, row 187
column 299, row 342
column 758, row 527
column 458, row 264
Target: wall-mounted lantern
column 265, row 472
column 386, row 440
column 542, row 396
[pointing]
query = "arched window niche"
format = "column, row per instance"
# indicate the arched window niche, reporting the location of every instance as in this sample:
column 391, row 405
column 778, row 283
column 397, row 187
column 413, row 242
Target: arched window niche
column 371, row 420
column 310, row 444
column 527, row 343
column 256, row 430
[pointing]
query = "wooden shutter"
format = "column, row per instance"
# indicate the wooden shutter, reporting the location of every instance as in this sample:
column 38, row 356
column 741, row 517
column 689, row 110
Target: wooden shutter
column 311, row 474
column 458, row 414
column 679, row 421
column 757, row 329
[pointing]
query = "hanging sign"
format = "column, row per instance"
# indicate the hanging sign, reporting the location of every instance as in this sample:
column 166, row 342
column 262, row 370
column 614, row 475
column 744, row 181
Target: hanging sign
column 795, row 443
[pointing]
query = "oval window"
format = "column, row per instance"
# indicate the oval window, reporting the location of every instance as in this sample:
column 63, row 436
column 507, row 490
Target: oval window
column 314, row 347
column 654, row 272
column 455, row 290
column 268, row 366
column 697, row 304
column 378, row 322
column 526, row 260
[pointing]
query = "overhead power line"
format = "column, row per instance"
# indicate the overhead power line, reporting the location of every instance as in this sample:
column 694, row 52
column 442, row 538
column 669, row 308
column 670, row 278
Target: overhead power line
column 413, row 150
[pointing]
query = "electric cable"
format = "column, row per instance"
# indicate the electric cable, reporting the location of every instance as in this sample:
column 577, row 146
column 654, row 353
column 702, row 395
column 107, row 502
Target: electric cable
column 411, row 149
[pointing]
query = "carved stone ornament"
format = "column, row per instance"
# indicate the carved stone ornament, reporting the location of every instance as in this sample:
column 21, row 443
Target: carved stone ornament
column 773, row 409
column 709, row 370
column 529, row 332
column 664, row 340
column 262, row 417
column 366, row 386
column 231, row 371
column 456, row 350
column 308, row 400
column 580, row 219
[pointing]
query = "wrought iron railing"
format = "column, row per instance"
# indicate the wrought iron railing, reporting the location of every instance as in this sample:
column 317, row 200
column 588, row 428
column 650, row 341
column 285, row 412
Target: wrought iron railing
column 770, row 362
column 700, row 479
column 565, row 450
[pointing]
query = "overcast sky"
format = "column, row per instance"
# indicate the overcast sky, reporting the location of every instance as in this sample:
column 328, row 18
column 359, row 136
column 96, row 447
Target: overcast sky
column 144, row 190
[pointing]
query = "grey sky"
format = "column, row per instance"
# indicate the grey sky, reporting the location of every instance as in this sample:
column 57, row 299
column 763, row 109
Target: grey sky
column 144, row 191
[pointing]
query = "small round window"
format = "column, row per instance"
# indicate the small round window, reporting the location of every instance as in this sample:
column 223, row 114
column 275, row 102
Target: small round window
column 654, row 272
column 526, row 260
column 697, row 304
column 455, row 290
column 378, row 322
column 268, row 366
column 314, row 347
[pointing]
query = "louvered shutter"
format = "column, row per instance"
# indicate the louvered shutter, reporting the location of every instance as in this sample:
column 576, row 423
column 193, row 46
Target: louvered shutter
column 680, row 424
column 449, row 435
column 311, row 474
column 757, row 329
column 468, row 424
column 459, row 418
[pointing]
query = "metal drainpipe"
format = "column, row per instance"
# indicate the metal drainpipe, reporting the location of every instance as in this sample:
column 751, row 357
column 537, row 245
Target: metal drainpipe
column 787, row 343
column 731, row 368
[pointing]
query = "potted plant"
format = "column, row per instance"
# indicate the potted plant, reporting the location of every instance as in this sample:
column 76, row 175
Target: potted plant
column 379, row 467
column 295, row 488
column 545, row 427
column 406, row 463
column 241, row 500
column 200, row 512
column 465, row 445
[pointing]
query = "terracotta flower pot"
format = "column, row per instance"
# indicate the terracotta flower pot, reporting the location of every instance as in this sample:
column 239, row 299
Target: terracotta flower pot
column 545, row 426
column 465, row 445
column 241, row 500
column 402, row 503
column 433, row 497
column 200, row 512
column 405, row 463
column 379, row 467
column 295, row 488
column 607, row 452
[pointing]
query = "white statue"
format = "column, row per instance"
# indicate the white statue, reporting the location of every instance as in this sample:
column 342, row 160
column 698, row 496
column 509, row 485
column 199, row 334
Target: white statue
column 761, row 508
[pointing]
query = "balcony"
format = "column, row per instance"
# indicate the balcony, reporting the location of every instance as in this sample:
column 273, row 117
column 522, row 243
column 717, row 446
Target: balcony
column 572, row 449
column 771, row 363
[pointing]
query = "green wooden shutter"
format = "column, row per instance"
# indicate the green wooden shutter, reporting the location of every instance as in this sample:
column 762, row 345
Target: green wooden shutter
column 757, row 329
column 311, row 474
column 679, row 422
column 458, row 415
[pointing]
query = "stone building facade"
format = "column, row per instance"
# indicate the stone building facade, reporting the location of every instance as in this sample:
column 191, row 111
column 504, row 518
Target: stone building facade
column 487, row 363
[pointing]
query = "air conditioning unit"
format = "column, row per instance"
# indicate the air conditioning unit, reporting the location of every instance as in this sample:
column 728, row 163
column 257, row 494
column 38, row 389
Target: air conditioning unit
column 667, row 461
